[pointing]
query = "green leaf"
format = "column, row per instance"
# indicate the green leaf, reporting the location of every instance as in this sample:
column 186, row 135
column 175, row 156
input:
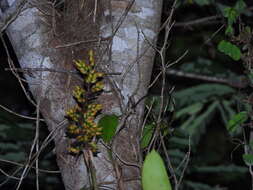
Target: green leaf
column 177, row 153
column 190, row 110
column 147, row 135
column 109, row 124
column 193, row 127
column 231, row 14
column 179, row 142
column 227, row 106
column 187, row 122
column 236, row 121
column 154, row 174
column 229, row 49
column 226, row 111
column 248, row 159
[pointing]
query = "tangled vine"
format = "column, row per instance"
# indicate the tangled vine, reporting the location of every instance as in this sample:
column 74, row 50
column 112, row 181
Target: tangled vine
column 82, row 128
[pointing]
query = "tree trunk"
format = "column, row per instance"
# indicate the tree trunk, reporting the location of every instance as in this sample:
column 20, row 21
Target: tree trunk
column 38, row 35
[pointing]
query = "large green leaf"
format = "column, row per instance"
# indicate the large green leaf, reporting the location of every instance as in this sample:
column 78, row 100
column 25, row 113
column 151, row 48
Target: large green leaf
column 109, row 124
column 236, row 121
column 230, row 49
column 154, row 174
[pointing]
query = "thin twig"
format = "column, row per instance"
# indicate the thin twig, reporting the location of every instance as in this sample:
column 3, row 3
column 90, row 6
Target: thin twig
column 35, row 145
column 171, row 169
column 120, row 159
column 7, row 175
column 17, row 114
column 162, row 53
column 201, row 21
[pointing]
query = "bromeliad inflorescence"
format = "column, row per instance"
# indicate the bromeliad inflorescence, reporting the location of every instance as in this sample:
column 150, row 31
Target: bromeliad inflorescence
column 82, row 128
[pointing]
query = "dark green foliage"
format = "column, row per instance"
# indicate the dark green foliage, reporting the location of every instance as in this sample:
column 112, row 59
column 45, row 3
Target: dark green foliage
column 109, row 124
column 229, row 49
column 206, row 112
column 16, row 137
column 14, row 140
column 201, row 93
column 236, row 121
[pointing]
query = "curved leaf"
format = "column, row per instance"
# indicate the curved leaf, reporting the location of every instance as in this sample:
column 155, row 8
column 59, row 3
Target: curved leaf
column 229, row 49
column 154, row 174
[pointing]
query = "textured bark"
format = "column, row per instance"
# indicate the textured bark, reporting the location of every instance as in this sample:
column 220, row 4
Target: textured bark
column 132, row 56
column 34, row 44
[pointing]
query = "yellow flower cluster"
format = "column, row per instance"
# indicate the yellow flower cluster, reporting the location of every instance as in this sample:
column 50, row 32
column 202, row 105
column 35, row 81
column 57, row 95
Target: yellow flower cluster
column 71, row 113
column 79, row 93
column 83, row 128
column 93, row 76
column 97, row 87
column 94, row 108
column 88, row 70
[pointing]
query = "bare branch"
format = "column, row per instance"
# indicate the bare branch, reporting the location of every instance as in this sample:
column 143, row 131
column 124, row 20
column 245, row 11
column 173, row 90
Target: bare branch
column 17, row 114
column 236, row 83
column 201, row 21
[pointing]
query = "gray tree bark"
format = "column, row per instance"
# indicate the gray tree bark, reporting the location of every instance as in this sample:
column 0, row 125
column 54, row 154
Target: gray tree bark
column 38, row 43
